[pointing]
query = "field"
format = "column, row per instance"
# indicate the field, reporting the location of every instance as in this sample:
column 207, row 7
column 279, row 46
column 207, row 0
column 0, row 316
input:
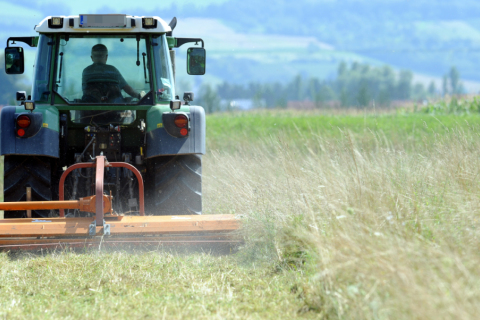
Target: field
column 353, row 216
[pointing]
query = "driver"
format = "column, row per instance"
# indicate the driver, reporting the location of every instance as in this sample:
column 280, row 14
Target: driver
column 102, row 82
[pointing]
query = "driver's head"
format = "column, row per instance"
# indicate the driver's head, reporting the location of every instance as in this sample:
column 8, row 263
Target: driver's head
column 99, row 53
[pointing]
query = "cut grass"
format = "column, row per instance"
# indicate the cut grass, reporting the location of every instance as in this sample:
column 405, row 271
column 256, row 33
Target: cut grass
column 151, row 285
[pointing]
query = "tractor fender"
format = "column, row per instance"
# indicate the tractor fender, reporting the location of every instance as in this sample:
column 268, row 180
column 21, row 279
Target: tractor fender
column 41, row 143
column 160, row 142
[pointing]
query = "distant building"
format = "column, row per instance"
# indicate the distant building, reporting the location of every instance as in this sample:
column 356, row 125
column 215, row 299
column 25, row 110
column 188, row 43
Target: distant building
column 242, row 104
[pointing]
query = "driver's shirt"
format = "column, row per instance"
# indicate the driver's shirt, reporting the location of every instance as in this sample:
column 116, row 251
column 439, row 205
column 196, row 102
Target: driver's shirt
column 100, row 72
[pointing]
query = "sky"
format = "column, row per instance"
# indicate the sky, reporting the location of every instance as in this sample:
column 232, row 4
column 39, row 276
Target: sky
column 77, row 7
column 28, row 9
column 22, row 15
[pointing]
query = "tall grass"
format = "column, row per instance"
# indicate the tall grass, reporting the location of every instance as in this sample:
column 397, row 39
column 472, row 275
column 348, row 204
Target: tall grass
column 344, row 217
column 383, row 230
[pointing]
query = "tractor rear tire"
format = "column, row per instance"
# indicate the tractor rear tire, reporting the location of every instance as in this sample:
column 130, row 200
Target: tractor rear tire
column 21, row 172
column 178, row 185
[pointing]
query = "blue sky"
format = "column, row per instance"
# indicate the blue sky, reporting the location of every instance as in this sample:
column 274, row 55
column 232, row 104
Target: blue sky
column 21, row 15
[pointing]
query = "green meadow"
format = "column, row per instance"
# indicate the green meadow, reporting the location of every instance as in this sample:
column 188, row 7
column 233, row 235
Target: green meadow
column 345, row 216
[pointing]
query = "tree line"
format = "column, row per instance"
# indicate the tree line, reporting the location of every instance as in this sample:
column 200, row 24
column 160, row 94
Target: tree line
column 355, row 85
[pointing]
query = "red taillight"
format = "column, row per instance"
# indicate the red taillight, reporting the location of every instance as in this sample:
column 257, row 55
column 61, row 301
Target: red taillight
column 21, row 132
column 23, row 121
column 183, row 131
column 181, row 121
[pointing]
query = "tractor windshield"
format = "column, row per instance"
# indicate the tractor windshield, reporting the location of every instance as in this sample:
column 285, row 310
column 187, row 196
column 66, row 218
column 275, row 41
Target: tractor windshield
column 108, row 69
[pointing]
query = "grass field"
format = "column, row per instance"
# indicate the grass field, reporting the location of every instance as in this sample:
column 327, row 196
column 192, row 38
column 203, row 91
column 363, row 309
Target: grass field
column 359, row 216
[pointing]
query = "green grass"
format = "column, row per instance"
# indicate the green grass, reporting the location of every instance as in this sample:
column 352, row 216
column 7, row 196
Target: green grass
column 353, row 216
column 247, row 128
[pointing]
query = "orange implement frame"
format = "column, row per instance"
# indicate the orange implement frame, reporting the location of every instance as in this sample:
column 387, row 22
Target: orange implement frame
column 100, row 164
column 87, row 204
column 31, row 233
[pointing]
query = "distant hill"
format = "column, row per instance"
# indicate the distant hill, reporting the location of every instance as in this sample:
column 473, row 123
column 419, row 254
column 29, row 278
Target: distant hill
column 427, row 36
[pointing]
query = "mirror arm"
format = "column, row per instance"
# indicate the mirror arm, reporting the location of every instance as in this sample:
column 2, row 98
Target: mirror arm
column 182, row 41
column 61, row 65
column 138, row 50
column 145, row 67
column 28, row 40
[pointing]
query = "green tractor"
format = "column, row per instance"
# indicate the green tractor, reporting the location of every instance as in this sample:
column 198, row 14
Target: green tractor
column 104, row 85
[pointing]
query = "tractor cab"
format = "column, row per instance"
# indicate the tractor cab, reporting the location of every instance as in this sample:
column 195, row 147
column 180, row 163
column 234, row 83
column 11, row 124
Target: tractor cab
column 104, row 60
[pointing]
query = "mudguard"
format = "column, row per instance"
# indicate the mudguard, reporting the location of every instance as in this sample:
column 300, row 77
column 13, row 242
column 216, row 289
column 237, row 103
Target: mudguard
column 42, row 143
column 160, row 142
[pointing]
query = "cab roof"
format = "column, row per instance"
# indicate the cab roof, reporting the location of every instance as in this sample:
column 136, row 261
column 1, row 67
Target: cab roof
column 102, row 23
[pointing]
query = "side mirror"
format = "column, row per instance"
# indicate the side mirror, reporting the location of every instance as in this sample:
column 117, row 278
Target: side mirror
column 196, row 58
column 14, row 61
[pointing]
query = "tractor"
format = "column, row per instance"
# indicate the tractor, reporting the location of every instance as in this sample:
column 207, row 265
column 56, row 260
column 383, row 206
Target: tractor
column 103, row 134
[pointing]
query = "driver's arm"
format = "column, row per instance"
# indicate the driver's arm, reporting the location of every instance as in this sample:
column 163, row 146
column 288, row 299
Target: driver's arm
column 125, row 86
column 131, row 91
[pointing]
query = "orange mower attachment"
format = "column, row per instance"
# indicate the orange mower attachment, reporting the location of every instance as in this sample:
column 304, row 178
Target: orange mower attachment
column 108, row 228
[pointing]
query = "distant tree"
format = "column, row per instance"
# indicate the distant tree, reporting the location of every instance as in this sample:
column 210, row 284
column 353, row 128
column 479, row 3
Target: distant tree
column 268, row 95
column 313, row 91
column 388, row 78
column 384, row 97
column 252, row 89
column 432, row 90
column 280, row 95
column 364, row 69
column 363, row 96
column 342, row 68
column 386, row 86
column 209, row 99
column 445, row 85
column 281, row 102
column 454, row 76
column 325, row 94
column 297, row 88
column 355, row 85
column 355, row 66
column 313, row 88
column 419, row 92
column 258, row 101
column 343, row 97
column 404, row 87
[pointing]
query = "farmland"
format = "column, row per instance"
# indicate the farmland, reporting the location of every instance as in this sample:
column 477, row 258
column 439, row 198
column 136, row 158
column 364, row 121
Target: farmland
column 346, row 216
